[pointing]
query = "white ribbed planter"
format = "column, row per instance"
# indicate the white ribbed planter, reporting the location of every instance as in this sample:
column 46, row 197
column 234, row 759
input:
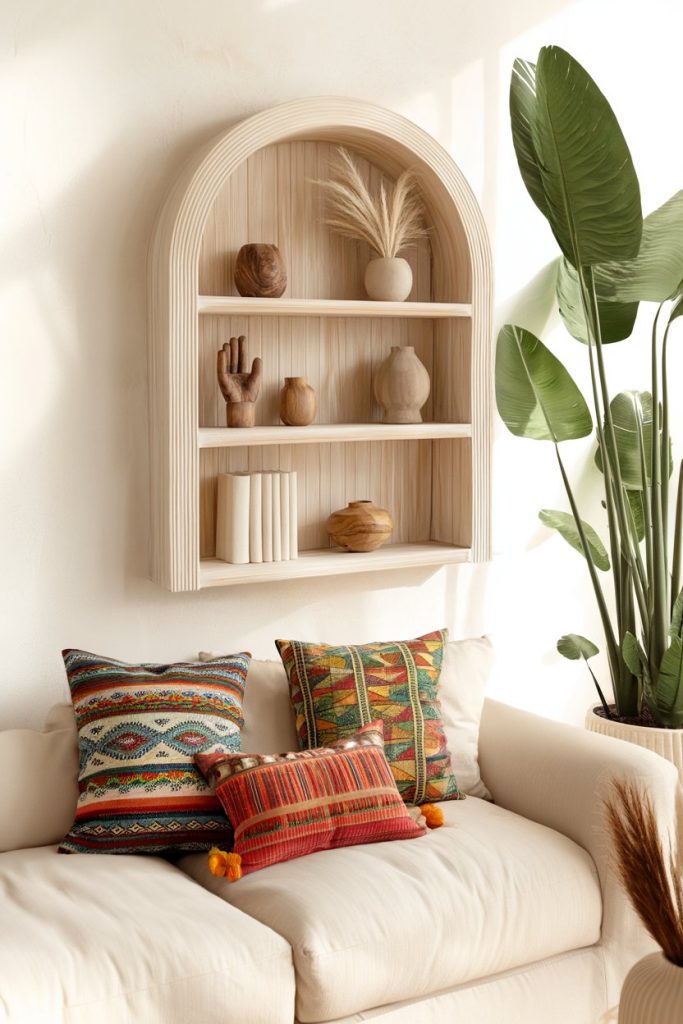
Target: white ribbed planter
column 652, row 992
column 667, row 743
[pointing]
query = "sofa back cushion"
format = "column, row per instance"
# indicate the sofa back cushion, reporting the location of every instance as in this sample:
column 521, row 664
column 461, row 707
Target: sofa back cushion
column 37, row 806
column 39, row 794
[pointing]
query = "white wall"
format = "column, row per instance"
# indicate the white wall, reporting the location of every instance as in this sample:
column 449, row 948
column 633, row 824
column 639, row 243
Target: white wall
column 101, row 102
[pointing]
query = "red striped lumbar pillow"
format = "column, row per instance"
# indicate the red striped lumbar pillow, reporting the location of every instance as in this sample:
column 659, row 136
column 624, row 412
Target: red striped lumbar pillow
column 283, row 806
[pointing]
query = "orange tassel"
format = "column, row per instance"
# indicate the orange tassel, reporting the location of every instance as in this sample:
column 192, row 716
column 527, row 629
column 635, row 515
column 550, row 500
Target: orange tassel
column 225, row 865
column 234, row 871
column 433, row 815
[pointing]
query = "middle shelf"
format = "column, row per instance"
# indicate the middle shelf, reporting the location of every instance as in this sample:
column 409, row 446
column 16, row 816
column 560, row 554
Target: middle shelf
column 237, row 437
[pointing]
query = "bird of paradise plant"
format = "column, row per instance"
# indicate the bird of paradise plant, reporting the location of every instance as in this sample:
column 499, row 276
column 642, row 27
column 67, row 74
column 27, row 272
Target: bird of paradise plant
column 578, row 170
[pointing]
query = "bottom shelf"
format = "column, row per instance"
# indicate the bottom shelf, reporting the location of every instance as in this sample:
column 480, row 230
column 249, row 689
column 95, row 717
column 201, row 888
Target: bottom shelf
column 331, row 562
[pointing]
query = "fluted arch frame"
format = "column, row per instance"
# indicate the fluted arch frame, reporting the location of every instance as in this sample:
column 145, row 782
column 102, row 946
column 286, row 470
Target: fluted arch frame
column 462, row 265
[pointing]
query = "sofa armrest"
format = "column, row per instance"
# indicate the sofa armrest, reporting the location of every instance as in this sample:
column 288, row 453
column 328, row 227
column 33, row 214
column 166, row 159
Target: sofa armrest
column 560, row 775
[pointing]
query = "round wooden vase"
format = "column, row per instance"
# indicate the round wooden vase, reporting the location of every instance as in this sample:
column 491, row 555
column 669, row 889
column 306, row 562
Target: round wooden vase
column 361, row 526
column 260, row 271
column 401, row 386
column 388, row 279
column 298, row 404
column 652, row 992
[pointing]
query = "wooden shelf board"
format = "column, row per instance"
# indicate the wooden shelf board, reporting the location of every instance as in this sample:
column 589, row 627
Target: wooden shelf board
column 234, row 305
column 331, row 562
column 325, row 433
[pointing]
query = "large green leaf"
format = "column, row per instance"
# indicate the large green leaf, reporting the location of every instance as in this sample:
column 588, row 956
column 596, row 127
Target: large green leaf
column 635, row 500
column 565, row 524
column 668, row 693
column 676, row 628
column 616, row 318
column 633, row 655
column 678, row 307
column 522, row 113
column 575, row 646
column 535, row 395
column 624, row 417
column 655, row 274
column 586, row 171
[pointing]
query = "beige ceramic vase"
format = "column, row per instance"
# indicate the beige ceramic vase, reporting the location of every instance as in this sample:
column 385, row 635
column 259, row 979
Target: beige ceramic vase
column 401, row 386
column 652, row 992
column 298, row 404
column 361, row 526
column 388, row 279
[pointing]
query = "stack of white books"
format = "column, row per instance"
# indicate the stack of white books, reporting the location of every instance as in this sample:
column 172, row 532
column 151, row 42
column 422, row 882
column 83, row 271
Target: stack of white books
column 256, row 517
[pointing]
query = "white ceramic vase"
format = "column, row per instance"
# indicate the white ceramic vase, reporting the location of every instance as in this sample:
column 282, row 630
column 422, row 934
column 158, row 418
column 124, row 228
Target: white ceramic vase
column 652, row 992
column 401, row 386
column 666, row 742
column 388, row 279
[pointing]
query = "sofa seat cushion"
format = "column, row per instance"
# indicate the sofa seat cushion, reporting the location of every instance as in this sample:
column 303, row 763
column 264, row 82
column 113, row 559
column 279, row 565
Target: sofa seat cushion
column 129, row 939
column 371, row 925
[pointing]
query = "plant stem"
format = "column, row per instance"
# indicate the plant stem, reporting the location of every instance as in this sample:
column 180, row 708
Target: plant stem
column 601, row 695
column 660, row 603
column 612, row 528
column 612, row 525
column 613, row 654
column 632, row 552
column 646, row 499
column 664, row 455
column 678, row 541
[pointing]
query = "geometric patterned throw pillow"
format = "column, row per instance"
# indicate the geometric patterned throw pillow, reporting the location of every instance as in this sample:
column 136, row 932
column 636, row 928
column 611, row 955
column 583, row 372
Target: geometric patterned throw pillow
column 336, row 690
column 284, row 806
column 139, row 728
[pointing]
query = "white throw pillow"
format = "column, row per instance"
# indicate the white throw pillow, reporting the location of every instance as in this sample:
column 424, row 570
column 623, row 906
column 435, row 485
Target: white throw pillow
column 269, row 725
column 465, row 671
column 38, row 802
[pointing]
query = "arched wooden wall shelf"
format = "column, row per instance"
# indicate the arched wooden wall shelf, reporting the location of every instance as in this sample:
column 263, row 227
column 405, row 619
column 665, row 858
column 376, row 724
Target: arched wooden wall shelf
column 255, row 183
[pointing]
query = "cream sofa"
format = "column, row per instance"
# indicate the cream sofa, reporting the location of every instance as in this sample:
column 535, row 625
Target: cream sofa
column 509, row 914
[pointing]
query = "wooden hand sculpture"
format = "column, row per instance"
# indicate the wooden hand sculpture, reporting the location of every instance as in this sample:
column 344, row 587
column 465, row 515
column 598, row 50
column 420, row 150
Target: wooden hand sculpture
column 239, row 388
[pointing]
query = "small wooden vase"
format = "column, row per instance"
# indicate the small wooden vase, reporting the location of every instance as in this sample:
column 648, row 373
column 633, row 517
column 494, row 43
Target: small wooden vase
column 260, row 271
column 401, row 386
column 361, row 526
column 652, row 992
column 298, row 404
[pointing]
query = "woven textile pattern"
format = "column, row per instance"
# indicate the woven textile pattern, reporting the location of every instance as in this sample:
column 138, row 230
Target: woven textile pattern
column 283, row 806
column 336, row 690
column 139, row 727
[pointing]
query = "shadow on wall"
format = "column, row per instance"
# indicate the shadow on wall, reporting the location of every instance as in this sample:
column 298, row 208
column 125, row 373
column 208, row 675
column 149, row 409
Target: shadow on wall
column 108, row 117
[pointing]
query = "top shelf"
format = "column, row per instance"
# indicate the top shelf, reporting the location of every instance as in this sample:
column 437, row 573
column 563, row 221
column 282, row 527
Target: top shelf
column 234, row 305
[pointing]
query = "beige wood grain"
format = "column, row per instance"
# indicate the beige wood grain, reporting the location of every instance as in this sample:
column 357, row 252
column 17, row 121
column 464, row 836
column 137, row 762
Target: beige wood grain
column 254, row 184
column 332, row 562
column 231, row 305
column 393, row 474
column 225, row 437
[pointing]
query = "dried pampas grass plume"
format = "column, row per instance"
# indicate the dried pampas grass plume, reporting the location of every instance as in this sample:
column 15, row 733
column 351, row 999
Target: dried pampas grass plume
column 651, row 877
column 388, row 222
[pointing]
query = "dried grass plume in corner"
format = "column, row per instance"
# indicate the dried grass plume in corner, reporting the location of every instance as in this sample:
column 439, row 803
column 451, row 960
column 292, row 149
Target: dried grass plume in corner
column 388, row 221
column 650, row 874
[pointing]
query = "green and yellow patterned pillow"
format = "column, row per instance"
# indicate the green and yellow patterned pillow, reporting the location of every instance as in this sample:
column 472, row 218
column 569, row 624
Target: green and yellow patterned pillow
column 337, row 690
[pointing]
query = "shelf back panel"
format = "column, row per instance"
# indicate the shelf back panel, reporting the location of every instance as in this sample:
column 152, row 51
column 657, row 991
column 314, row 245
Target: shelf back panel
column 273, row 197
column 394, row 474
column 338, row 356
